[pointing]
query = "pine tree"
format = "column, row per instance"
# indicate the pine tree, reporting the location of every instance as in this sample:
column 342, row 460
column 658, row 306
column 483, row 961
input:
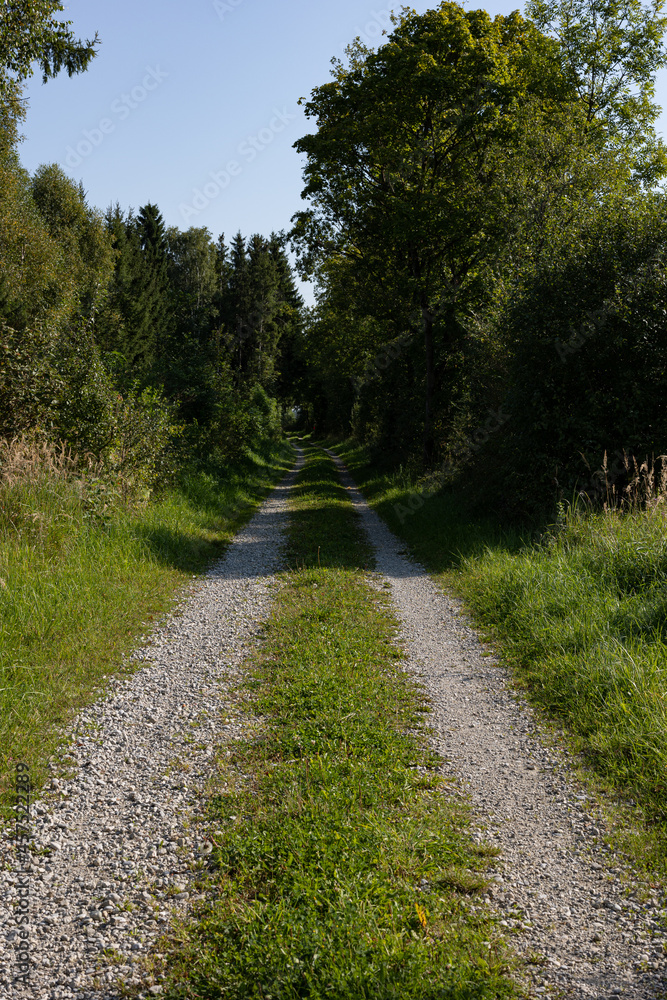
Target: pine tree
column 290, row 365
column 152, row 236
column 136, row 320
column 236, row 308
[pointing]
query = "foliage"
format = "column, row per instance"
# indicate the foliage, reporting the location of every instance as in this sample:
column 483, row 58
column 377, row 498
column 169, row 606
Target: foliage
column 259, row 307
column 86, row 257
column 29, row 257
column 409, row 172
column 452, row 174
column 612, row 51
column 585, row 337
column 193, row 280
column 55, row 255
column 29, row 34
column 134, row 320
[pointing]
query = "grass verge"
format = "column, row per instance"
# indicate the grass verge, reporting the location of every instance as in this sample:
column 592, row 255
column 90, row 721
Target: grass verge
column 342, row 867
column 80, row 584
column 579, row 614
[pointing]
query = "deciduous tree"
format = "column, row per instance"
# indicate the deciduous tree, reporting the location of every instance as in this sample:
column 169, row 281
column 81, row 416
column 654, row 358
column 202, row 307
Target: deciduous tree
column 407, row 172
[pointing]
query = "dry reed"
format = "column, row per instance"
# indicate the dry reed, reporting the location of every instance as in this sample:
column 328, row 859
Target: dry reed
column 30, row 458
column 638, row 486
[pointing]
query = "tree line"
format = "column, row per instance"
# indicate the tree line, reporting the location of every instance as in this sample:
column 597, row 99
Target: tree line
column 486, row 229
column 136, row 343
column 485, row 226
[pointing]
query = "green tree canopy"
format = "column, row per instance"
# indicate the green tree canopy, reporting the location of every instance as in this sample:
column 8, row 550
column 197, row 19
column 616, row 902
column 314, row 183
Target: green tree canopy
column 31, row 34
column 409, row 172
column 611, row 50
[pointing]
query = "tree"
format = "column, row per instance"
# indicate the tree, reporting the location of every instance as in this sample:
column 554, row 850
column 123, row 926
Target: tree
column 29, row 34
column 29, row 273
column 260, row 307
column 611, row 50
column 193, row 282
column 151, row 233
column 288, row 364
column 136, row 320
column 408, row 171
column 86, row 255
column 56, row 258
column 584, row 335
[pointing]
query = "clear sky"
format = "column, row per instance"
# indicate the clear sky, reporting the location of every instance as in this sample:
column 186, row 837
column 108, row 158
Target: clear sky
column 192, row 104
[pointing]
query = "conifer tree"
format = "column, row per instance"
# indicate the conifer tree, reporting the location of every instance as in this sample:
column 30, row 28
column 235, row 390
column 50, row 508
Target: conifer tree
column 152, row 236
column 237, row 307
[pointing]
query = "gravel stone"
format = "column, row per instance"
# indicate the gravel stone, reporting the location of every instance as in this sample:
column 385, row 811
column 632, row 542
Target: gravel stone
column 116, row 842
column 118, row 846
column 560, row 893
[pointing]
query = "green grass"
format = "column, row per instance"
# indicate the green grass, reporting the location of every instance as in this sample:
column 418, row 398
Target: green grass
column 343, row 868
column 80, row 583
column 579, row 614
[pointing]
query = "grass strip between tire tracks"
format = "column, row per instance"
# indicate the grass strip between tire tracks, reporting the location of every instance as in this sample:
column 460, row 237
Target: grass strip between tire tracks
column 342, row 867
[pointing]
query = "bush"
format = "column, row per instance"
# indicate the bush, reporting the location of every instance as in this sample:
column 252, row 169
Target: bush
column 29, row 380
column 586, row 338
column 264, row 416
column 58, row 390
column 140, row 455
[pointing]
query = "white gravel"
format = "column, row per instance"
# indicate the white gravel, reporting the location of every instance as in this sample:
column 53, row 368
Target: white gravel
column 600, row 931
column 120, row 835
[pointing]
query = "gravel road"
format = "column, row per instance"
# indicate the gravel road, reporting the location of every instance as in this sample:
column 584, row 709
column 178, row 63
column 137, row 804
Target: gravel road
column 121, row 835
column 600, row 931
column 121, row 839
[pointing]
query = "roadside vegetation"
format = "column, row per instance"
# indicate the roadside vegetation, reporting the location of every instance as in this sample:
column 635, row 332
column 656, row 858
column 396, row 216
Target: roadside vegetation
column 342, row 866
column 144, row 376
column 577, row 608
column 83, row 575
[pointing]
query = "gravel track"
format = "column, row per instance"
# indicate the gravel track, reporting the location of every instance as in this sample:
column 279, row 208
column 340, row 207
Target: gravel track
column 600, row 931
column 121, row 833
column 123, row 847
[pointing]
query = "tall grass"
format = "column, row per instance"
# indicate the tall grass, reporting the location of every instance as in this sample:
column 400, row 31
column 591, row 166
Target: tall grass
column 82, row 577
column 582, row 616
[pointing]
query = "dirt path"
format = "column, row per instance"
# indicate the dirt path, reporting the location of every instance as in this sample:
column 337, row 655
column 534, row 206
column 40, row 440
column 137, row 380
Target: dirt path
column 119, row 840
column 121, row 834
column 572, row 903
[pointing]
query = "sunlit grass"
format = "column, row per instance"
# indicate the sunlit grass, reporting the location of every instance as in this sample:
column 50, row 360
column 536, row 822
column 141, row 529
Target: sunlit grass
column 580, row 615
column 343, row 868
column 81, row 580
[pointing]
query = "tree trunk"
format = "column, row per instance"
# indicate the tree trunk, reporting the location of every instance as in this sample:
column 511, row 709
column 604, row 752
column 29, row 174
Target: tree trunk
column 428, row 448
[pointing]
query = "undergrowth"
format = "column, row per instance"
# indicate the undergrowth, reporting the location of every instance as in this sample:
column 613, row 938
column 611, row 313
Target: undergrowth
column 342, row 866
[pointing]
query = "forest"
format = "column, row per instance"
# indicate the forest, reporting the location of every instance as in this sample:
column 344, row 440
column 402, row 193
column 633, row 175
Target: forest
column 486, row 230
column 484, row 222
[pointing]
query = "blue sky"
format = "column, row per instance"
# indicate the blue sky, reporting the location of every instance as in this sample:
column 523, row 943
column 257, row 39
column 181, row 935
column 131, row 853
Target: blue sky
column 192, row 104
